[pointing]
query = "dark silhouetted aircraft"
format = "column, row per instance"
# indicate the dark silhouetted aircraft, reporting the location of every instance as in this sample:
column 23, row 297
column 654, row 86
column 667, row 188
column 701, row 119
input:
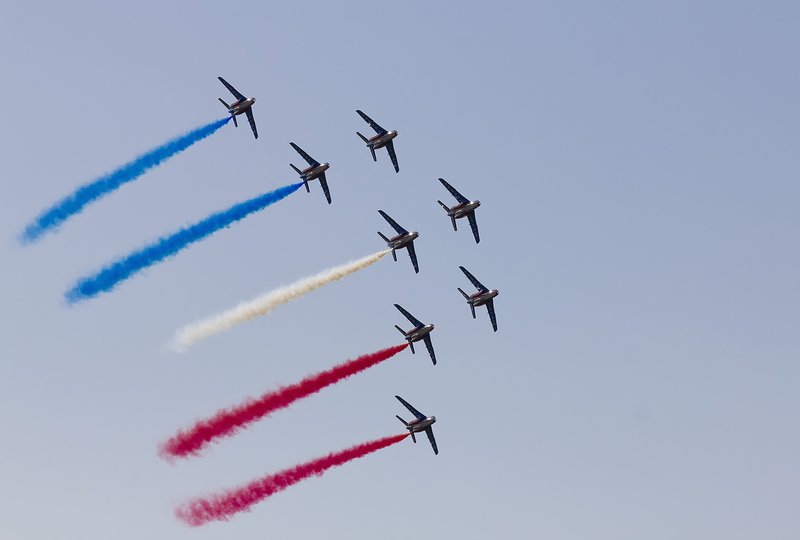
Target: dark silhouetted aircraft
column 383, row 138
column 241, row 105
column 482, row 297
column 420, row 332
column 420, row 423
column 314, row 170
column 403, row 239
column 465, row 207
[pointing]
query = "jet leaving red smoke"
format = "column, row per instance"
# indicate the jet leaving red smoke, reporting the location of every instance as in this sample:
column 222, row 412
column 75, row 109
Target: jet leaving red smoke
column 222, row 506
column 228, row 422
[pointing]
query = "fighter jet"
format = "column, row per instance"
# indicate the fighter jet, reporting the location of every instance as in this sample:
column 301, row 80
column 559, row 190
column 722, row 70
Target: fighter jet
column 383, row 138
column 314, row 170
column 420, row 423
column 482, row 297
column 420, row 332
column 403, row 239
column 465, row 207
column 241, row 105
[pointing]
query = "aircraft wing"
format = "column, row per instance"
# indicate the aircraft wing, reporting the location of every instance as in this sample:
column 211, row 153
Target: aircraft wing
column 459, row 197
column 378, row 129
column 429, row 346
column 233, row 90
column 408, row 406
column 474, row 225
column 392, row 155
column 429, row 432
column 324, row 183
column 413, row 255
column 478, row 284
column 413, row 320
column 311, row 161
column 249, row 113
column 393, row 223
column 492, row 316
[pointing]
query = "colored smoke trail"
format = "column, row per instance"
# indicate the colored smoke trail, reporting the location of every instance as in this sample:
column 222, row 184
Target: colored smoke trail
column 228, row 422
column 74, row 203
column 267, row 302
column 107, row 278
column 222, row 506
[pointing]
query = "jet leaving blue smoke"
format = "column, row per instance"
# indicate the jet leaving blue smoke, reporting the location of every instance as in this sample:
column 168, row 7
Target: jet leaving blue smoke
column 75, row 202
column 107, row 278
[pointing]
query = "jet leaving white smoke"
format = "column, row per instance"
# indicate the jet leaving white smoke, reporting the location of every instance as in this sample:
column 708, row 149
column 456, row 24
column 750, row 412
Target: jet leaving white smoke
column 265, row 303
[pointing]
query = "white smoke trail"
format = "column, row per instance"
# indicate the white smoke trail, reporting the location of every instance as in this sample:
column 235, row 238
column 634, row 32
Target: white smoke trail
column 265, row 303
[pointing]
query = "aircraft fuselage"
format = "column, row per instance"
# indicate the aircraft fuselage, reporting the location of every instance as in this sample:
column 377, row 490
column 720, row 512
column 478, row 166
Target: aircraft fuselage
column 481, row 297
column 309, row 173
column 402, row 240
column 240, row 106
column 382, row 139
column 421, row 424
column 418, row 333
column 463, row 209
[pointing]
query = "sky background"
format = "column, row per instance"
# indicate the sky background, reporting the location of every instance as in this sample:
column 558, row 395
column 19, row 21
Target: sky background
column 638, row 170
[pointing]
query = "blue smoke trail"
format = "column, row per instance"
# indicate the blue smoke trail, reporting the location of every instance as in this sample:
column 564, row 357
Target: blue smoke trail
column 75, row 202
column 107, row 278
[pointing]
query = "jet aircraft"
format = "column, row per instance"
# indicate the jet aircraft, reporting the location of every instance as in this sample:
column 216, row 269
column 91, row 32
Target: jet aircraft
column 483, row 297
column 465, row 207
column 420, row 423
column 420, row 332
column 383, row 138
column 314, row 170
column 403, row 239
column 241, row 105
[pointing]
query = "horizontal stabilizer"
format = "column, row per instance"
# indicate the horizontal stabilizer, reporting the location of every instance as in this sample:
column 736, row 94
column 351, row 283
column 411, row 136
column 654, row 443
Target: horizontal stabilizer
column 463, row 293
column 403, row 421
column 384, row 238
column 401, row 330
column 226, row 105
column 362, row 137
column 446, row 209
column 295, row 168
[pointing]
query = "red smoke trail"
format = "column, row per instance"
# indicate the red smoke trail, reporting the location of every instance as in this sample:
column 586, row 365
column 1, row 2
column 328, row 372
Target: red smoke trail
column 228, row 422
column 222, row 506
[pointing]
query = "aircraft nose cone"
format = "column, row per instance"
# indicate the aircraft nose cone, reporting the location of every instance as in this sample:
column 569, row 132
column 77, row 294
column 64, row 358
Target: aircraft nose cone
column 415, row 234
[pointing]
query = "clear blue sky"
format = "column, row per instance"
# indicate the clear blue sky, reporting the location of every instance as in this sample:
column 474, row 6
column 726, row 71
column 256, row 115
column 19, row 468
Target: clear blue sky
column 638, row 168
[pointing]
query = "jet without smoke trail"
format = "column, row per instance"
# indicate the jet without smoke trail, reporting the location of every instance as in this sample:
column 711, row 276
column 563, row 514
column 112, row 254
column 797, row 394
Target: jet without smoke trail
column 223, row 506
column 75, row 202
column 120, row 270
column 268, row 302
column 229, row 422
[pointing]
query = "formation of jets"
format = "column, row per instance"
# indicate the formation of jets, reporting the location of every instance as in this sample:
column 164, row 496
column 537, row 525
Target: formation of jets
column 403, row 239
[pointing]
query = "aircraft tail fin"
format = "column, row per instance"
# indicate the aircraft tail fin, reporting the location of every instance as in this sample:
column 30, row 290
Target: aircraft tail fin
column 463, row 293
column 362, row 137
column 295, row 168
column 403, row 421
